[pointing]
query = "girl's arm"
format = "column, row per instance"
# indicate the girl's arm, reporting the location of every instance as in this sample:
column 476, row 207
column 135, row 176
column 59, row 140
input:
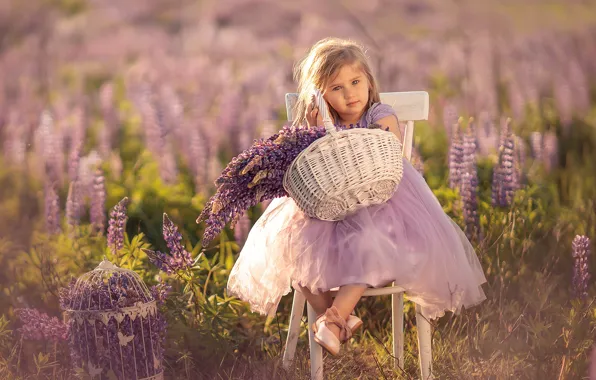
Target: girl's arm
column 391, row 123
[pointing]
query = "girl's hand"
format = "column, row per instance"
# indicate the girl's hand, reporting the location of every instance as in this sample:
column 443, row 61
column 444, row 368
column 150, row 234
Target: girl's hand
column 312, row 114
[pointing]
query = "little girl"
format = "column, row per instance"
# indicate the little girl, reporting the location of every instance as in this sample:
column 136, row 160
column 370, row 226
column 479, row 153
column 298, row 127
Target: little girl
column 409, row 239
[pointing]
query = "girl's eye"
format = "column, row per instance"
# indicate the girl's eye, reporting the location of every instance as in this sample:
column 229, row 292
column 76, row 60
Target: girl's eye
column 354, row 82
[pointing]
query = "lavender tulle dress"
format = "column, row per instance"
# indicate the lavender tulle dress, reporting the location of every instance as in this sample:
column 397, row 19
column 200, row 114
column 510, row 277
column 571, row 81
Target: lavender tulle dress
column 409, row 240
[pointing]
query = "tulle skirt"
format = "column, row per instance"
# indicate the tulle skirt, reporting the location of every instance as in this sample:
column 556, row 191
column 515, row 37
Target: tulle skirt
column 409, row 240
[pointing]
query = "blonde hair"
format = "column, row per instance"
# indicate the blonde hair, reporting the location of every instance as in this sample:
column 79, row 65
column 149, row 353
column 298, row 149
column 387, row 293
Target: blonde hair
column 321, row 64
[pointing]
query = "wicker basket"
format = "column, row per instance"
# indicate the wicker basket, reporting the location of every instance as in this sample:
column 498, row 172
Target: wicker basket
column 344, row 171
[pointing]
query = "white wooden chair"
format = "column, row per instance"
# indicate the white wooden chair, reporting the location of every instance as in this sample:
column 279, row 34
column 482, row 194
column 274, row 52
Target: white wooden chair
column 409, row 107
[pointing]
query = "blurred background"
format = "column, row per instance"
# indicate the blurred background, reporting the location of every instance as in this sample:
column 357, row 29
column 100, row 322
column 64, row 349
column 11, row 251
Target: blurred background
column 149, row 100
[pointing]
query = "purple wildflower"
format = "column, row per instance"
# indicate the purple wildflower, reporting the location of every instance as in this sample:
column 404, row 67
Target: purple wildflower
column 550, row 146
column 74, row 160
column 469, row 149
column 73, row 205
column 509, row 178
column 456, row 155
column 160, row 259
column 469, row 196
column 98, row 201
column 198, row 159
column 506, row 176
column 536, row 144
column 117, row 224
column 178, row 257
column 160, row 291
column 469, row 183
column 581, row 275
column 106, row 100
column 449, row 115
column 181, row 258
column 40, row 326
column 52, row 209
column 15, row 148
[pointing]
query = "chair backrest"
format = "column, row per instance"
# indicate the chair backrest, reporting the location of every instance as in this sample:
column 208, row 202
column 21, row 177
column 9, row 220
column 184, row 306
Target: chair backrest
column 409, row 106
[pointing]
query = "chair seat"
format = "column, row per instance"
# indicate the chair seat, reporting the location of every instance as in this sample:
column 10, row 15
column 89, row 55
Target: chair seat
column 371, row 292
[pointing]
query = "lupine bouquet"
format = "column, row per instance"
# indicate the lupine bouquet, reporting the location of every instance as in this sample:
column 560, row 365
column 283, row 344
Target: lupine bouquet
column 256, row 175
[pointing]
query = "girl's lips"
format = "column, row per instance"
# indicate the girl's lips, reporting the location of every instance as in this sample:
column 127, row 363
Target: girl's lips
column 352, row 103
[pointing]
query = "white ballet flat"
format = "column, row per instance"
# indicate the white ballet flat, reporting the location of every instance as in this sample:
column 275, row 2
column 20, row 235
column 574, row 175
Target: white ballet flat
column 327, row 339
column 354, row 323
column 324, row 337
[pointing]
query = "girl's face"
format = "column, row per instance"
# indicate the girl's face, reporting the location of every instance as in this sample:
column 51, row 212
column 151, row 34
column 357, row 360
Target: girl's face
column 347, row 93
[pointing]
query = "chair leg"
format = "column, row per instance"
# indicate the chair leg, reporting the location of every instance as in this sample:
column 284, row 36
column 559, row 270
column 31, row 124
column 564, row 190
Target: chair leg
column 424, row 345
column 316, row 351
column 397, row 328
column 293, row 329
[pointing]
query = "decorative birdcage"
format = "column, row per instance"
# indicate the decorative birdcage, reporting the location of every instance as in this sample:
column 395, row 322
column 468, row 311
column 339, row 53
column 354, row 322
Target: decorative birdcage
column 116, row 331
column 344, row 171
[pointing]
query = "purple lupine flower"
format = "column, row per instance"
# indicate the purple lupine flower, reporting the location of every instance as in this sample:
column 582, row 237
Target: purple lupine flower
column 505, row 130
column 517, row 102
column 106, row 101
column 116, row 227
column 178, row 257
column 73, row 205
column 550, row 146
column 242, row 229
column 98, row 202
column 469, row 149
column 198, row 159
column 487, row 135
column 456, row 156
column 468, row 185
column 168, row 167
column 520, row 158
column 156, row 132
column 160, row 259
column 507, row 178
column 160, row 291
column 15, row 148
column 50, row 149
column 79, row 129
column 536, row 145
column 581, row 274
column 181, row 258
column 469, row 196
column 449, row 116
column 40, row 326
column 74, row 160
column 52, row 208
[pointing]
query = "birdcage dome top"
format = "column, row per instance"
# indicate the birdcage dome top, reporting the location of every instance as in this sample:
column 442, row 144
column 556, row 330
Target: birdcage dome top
column 108, row 287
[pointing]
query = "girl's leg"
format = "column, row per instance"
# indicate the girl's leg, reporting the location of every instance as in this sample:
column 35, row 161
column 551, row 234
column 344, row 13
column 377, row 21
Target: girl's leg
column 320, row 302
column 345, row 301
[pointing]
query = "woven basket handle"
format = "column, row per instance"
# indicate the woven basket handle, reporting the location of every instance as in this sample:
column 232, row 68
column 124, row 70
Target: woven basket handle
column 324, row 110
